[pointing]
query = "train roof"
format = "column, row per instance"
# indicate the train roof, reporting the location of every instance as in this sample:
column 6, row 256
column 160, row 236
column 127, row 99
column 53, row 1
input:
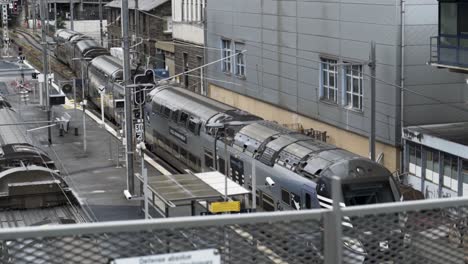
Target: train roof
column 269, row 142
column 181, row 99
column 275, row 145
column 87, row 44
column 66, row 34
column 109, row 65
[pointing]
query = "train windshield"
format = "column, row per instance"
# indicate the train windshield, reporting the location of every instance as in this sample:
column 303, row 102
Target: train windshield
column 367, row 193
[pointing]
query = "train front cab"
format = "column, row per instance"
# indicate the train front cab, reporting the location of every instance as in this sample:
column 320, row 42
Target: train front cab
column 376, row 245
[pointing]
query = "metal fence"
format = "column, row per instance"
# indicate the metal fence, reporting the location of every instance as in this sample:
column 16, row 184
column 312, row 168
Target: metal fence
column 431, row 231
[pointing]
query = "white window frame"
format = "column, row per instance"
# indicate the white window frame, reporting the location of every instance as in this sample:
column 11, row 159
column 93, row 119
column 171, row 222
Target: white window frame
column 226, row 53
column 239, row 67
column 325, row 87
column 354, row 73
column 168, row 24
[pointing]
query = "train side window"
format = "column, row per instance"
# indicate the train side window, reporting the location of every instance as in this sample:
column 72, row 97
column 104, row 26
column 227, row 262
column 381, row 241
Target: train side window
column 308, row 201
column 175, row 116
column 209, row 159
column 221, row 167
column 183, row 118
column 166, row 112
column 193, row 159
column 295, row 201
column 156, row 108
column 192, row 126
column 268, row 202
column 183, row 153
column 175, row 149
column 285, row 196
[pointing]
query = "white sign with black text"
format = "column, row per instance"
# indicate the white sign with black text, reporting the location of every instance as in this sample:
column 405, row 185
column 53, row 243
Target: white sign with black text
column 205, row 256
column 139, row 130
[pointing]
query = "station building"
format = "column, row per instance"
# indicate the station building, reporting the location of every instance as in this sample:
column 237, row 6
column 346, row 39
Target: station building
column 308, row 62
column 436, row 155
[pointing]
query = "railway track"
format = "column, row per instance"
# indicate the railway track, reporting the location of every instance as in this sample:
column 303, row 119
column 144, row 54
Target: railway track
column 33, row 49
column 33, row 45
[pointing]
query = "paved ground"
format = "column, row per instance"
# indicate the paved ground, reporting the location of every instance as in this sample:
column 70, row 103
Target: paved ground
column 96, row 180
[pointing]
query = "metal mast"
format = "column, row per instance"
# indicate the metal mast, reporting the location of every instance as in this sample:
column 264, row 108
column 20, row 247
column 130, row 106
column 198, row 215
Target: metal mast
column 100, row 23
column 128, row 98
column 373, row 83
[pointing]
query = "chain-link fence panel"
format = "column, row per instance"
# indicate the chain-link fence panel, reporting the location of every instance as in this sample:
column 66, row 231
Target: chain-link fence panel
column 437, row 235
column 244, row 240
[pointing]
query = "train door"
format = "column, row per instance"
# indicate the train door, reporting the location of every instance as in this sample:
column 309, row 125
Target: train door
column 237, row 171
column 309, row 196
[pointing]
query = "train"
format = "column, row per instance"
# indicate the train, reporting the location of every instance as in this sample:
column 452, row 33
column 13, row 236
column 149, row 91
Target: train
column 292, row 171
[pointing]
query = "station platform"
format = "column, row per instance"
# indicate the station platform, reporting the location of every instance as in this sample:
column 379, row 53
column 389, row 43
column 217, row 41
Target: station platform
column 95, row 177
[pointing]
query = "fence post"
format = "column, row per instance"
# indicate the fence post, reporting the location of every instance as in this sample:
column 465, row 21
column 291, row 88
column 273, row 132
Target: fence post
column 333, row 229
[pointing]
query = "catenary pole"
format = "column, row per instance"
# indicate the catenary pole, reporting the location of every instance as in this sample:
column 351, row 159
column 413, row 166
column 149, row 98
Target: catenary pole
column 373, row 83
column 45, row 61
column 101, row 31
column 128, row 98
column 72, row 15
column 34, row 16
column 137, row 19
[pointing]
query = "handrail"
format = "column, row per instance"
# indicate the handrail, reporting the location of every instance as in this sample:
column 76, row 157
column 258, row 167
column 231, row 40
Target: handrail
column 450, row 54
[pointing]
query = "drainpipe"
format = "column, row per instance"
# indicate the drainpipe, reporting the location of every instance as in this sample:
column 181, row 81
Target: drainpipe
column 402, row 80
column 205, row 52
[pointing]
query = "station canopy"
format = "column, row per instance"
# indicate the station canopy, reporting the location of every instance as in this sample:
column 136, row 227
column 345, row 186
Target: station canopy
column 192, row 187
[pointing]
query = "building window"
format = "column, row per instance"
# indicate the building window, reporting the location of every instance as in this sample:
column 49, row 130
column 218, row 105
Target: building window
column 285, row 196
column 226, row 55
column 432, row 166
column 448, row 24
column 465, row 176
column 328, row 85
column 450, row 172
column 168, row 24
column 240, row 60
column 415, row 159
column 354, row 88
column 186, row 68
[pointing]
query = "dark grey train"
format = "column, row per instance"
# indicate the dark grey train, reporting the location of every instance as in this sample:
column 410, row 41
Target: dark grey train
column 293, row 171
column 102, row 71
column 74, row 45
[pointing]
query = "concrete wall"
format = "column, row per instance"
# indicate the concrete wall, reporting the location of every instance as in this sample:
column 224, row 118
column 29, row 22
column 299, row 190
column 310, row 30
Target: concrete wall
column 284, row 42
column 286, row 39
column 89, row 27
column 340, row 137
